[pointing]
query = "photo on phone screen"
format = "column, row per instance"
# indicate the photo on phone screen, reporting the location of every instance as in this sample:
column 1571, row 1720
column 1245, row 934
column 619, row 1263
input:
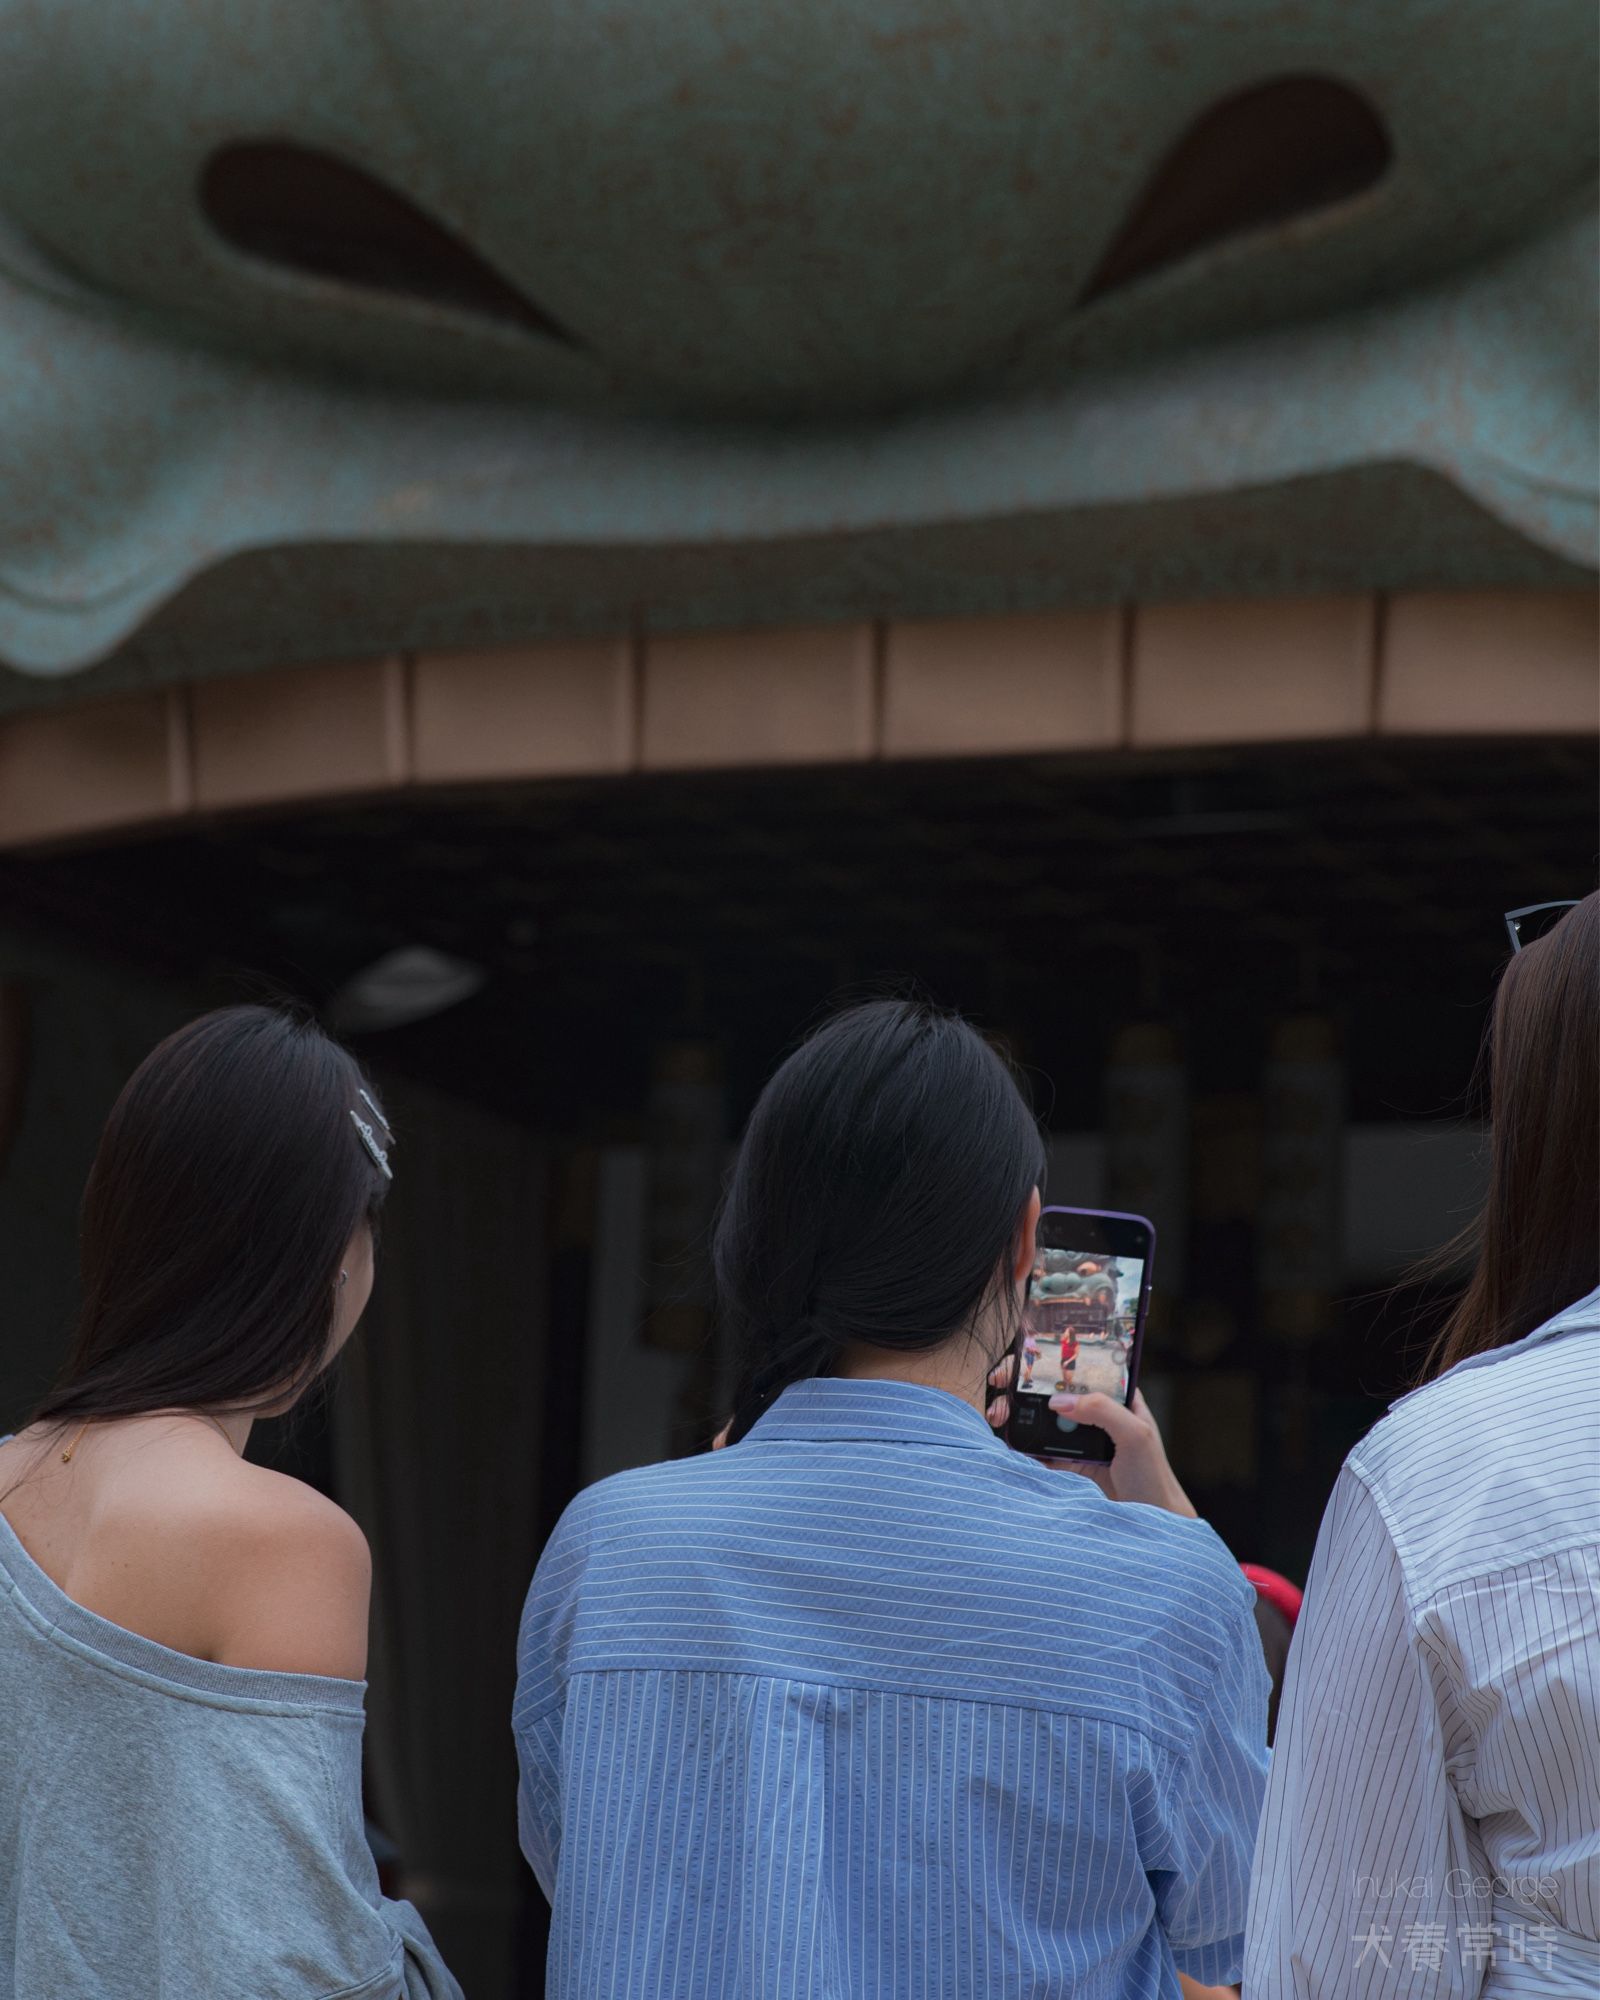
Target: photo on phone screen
column 1082, row 1323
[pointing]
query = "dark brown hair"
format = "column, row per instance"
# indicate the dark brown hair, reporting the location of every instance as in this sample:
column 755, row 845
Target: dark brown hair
column 880, row 1183
column 1538, row 1236
column 227, row 1185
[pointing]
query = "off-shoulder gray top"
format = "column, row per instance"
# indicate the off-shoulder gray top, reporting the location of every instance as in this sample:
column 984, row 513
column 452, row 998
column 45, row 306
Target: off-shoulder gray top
column 176, row 1829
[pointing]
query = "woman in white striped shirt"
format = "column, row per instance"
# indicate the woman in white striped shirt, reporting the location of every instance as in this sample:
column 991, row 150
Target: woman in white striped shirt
column 1432, row 1827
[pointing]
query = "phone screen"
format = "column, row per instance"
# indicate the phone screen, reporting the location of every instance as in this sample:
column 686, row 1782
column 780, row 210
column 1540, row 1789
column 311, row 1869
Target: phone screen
column 1082, row 1325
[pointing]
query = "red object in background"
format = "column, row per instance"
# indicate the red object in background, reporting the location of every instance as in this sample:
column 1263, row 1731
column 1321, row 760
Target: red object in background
column 1279, row 1592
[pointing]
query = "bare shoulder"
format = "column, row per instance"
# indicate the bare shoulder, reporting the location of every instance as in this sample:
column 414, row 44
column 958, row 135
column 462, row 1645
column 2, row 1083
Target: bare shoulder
column 279, row 1521
column 160, row 1533
column 291, row 1577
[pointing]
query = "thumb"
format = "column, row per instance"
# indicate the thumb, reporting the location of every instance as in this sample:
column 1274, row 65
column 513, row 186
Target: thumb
column 1116, row 1419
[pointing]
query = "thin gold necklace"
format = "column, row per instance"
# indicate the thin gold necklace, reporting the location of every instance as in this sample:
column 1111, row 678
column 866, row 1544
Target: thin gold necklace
column 204, row 1415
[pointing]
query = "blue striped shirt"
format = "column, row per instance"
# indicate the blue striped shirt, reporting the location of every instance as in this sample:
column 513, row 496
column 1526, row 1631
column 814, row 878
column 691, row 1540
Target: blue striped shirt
column 871, row 1705
column 1432, row 1829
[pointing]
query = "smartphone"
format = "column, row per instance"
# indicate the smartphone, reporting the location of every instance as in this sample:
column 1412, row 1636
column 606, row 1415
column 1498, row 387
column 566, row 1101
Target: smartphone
column 1082, row 1326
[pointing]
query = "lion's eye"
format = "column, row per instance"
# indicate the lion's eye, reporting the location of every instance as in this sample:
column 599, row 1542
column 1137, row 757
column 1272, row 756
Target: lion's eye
column 1271, row 153
column 310, row 212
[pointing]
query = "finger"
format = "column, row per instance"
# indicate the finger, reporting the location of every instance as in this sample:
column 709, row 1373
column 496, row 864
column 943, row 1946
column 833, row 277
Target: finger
column 1142, row 1410
column 1119, row 1422
column 1000, row 1375
column 721, row 1437
column 999, row 1412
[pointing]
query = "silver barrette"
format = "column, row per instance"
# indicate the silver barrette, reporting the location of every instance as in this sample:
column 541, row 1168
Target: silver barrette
column 369, row 1139
column 388, row 1129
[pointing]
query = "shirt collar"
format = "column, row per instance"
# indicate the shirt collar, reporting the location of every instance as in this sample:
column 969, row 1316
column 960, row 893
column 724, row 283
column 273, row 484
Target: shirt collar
column 832, row 1408
column 1583, row 1316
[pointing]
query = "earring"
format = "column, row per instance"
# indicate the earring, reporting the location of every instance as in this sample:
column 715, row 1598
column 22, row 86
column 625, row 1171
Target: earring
column 344, row 1279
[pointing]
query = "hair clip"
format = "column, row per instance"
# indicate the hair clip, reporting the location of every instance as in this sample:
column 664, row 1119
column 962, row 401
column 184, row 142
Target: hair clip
column 388, row 1129
column 369, row 1139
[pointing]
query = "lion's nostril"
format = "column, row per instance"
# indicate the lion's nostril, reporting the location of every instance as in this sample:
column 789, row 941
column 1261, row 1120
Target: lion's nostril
column 1273, row 152
column 313, row 213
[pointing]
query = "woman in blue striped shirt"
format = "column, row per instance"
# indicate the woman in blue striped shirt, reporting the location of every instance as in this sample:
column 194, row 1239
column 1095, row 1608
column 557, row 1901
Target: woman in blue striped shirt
column 1433, row 1822
column 869, row 1704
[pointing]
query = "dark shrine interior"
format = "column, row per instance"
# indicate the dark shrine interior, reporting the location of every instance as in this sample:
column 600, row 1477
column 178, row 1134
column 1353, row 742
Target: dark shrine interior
column 1055, row 899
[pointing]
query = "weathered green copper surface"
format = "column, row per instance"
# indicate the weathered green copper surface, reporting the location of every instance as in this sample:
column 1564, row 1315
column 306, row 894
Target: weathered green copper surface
column 815, row 278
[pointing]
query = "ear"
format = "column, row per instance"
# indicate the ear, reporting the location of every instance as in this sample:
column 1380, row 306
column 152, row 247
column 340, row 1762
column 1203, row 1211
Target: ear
column 1027, row 1237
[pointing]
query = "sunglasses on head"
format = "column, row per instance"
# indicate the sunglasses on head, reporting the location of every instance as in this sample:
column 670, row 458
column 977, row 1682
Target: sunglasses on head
column 1530, row 923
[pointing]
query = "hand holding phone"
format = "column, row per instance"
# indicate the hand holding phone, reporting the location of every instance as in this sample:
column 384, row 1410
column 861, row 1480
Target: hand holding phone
column 1138, row 1469
column 1082, row 1331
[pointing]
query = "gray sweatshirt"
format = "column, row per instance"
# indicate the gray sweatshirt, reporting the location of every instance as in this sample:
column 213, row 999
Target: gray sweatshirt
column 174, row 1830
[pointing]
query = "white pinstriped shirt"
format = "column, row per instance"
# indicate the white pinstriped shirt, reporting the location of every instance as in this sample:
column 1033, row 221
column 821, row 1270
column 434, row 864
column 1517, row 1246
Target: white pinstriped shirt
column 870, row 1707
column 1432, row 1828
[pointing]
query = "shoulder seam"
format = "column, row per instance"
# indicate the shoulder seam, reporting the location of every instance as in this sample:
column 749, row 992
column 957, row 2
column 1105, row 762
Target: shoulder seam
column 1165, row 1740
column 1472, row 1578
column 329, row 1791
column 1392, row 1529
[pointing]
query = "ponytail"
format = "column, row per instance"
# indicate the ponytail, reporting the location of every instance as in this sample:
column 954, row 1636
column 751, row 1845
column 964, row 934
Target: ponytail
column 806, row 1352
column 878, row 1191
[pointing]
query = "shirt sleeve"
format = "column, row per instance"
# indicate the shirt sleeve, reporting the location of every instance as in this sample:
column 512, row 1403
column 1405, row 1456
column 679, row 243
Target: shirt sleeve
column 539, row 1711
column 1201, row 1898
column 423, row 1973
column 1363, row 1873
column 539, row 1796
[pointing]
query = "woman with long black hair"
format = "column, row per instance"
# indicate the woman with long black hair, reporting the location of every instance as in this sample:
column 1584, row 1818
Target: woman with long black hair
column 868, row 1703
column 1433, row 1822
column 183, row 1635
